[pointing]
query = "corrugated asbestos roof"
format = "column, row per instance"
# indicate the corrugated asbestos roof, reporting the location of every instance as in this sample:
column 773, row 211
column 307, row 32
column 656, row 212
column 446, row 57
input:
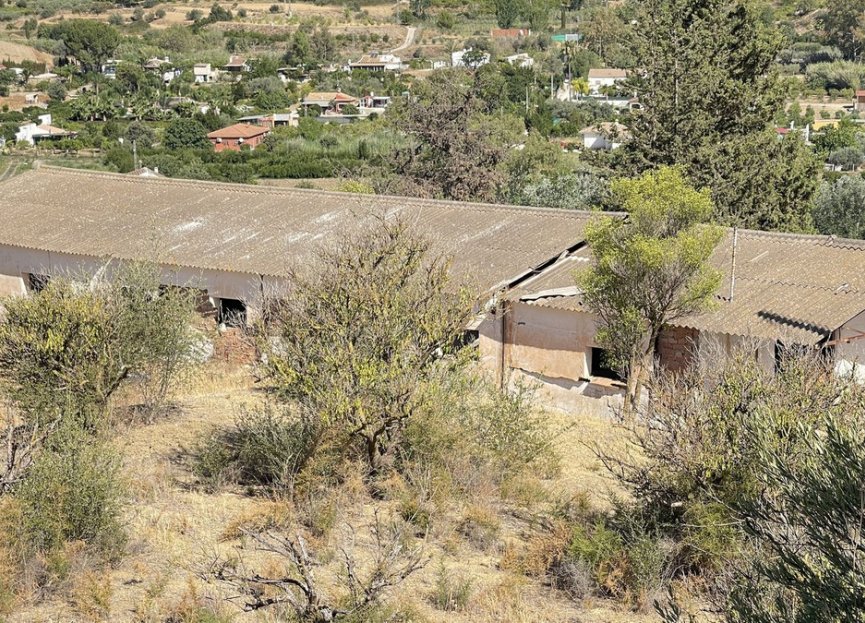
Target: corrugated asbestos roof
column 791, row 287
column 261, row 230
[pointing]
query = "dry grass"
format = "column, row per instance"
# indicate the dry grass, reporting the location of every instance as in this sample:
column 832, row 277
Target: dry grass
column 18, row 52
column 175, row 528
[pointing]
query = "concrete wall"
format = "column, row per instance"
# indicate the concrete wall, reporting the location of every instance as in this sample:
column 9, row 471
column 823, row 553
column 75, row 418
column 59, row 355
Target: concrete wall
column 549, row 349
column 721, row 344
column 17, row 263
column 850, row 356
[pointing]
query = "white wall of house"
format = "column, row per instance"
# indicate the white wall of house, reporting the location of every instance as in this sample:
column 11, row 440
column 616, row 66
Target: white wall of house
column 29, row 132
column 596, row 84
column 597, row 140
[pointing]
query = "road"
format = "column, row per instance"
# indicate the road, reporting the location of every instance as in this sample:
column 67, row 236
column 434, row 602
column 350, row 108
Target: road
column 409, row 39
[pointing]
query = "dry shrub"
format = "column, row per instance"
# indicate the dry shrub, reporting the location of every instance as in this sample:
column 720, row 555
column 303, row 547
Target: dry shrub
column 452, row 591
column 266, row 515
column 328, row 485
column 477, row 443
column 480, row 526
column 90, row 595
column 73, row 493
column 417, row 512
column 265, row 447
column 44, row 574
column 524, row 489
column 193, row 607
column 625, row 560
column 9, row 575
column 504, row 602
column 319, row 513
column 537, row 556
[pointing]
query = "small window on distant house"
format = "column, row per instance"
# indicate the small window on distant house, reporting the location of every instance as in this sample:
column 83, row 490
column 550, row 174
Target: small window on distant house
column 232, row 312
column 37, row 282
column 602, row 366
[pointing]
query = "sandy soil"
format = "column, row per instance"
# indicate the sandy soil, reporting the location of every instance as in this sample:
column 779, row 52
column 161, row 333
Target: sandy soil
column 17, row 52
column 176, row 527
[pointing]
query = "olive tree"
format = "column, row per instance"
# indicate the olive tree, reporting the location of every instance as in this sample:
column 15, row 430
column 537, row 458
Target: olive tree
column 67, row 349
column 360, row 333
column 649, row 268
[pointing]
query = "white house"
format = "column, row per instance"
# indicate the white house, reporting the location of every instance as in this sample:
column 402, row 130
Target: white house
column 607, row 136
column 377, row 62
column 520, row 60
column 32, row 132
column 43, row 77
column 475, row 58
column 605, row 77
column 204, row 73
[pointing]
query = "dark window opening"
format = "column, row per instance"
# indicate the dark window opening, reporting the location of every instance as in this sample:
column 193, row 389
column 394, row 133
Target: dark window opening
column 232, row 312
column 602, row 366
column 37, row 282
column 467, row 338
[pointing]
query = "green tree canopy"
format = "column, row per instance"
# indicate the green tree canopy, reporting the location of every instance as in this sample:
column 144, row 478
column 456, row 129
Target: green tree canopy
column 507, row 12
column 843, row 25
column 456, row 146
column 708, row 90
column 839, row 208
column 361, row 336
column 90, row 42
column 650, row 267
column 182, row 133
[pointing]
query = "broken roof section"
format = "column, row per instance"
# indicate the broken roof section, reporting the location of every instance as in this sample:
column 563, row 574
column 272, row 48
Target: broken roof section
column 261, row 230
column 798, row 288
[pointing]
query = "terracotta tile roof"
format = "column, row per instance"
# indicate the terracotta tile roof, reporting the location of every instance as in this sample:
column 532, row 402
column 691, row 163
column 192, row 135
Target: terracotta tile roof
column 329, row 96
column 509, row 33
column 263, row 230
column 236, row 61
column 792, row 287
column 239, row 130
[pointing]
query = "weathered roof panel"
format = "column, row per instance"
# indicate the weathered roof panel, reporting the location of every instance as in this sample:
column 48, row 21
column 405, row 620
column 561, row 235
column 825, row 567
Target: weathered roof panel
column 263, row 230
column 793, row 287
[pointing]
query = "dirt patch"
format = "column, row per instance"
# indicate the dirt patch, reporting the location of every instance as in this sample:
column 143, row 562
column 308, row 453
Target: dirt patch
column 17, row 52
column 175, row 527
column 18, row 101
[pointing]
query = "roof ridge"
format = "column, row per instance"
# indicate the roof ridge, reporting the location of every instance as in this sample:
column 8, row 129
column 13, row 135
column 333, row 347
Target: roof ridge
column 828, row 240
column 274, row 190
column 796, row 284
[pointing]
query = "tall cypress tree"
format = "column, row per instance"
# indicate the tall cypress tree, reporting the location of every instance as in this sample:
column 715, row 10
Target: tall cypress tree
column 708, row 89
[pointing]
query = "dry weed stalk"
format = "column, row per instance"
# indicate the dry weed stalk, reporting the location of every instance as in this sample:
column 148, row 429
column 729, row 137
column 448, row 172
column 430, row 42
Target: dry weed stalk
column 20, row 441
column 299, row 588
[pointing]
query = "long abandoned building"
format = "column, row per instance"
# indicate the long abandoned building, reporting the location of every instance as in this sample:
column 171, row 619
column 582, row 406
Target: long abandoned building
column 236, row 243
